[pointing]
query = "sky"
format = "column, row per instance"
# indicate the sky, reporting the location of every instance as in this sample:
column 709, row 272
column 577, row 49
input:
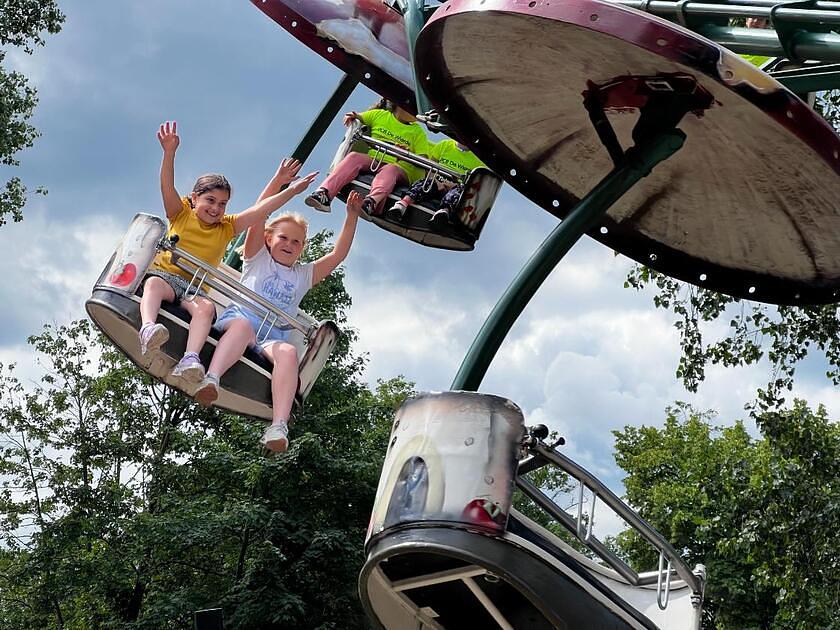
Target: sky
column 587, row 356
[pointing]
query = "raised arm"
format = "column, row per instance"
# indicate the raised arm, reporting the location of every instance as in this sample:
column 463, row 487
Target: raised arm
column 168, row 137
column 349, row 117
column 285, row 174
column 325, row 265
column 261, row 210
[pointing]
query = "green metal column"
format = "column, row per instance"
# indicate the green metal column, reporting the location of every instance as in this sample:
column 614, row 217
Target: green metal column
column 639, row 161
column 306, row 145
column 414, row 18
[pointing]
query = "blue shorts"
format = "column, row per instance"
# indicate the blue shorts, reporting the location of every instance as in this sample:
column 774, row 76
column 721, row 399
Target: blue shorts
column 267, row 336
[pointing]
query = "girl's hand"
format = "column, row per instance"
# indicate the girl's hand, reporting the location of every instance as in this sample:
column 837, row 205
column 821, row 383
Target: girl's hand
column 297, row 186
column 354, row 204
column 168, row 136
column 287, row 171
column 350, row 117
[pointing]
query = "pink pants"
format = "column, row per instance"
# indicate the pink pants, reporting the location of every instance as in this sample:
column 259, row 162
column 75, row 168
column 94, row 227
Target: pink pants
column 387, row 177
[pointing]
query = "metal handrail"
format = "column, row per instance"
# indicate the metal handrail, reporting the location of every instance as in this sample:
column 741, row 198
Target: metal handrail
column 825, row 13
column 229, row 287
column 395, row 151
column 607, row 496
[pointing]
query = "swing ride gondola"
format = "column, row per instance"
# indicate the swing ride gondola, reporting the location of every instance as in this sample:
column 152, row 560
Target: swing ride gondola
column 114, row 306
column 661, row 144
column 479, row 189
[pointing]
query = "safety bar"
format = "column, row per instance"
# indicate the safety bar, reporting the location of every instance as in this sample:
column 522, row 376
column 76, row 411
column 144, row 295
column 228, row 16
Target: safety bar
column 543, row 453
column 395, row 151
column 226, row 285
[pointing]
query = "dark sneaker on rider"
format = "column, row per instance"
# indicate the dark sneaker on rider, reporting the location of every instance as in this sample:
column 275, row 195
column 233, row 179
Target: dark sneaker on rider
column 369, row 206
column 440, row 218
column 320, row 200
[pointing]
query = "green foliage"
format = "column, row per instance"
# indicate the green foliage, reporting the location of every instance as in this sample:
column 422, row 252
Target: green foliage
column 782, row 334
column 762, row 515
column 123, row 504
column 22, row 23
column 828, row 105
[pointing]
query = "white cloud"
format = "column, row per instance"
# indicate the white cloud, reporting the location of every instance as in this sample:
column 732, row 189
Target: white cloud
column 53, row 268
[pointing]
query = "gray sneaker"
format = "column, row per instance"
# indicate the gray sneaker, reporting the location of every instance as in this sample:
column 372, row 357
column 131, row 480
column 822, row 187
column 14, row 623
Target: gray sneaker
column 276, row 437
column 320, row 200
column 152, row 337
column 208, row 391
column 189, row 368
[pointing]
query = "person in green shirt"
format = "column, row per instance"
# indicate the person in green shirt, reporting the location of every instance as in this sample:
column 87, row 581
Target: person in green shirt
column 391, row 123
column 455, row 156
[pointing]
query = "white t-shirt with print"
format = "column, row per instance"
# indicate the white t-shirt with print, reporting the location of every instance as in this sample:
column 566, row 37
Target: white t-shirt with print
column 281, row 285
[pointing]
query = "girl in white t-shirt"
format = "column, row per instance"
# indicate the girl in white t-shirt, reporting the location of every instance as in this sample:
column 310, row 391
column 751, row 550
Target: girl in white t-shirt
column 272, row 270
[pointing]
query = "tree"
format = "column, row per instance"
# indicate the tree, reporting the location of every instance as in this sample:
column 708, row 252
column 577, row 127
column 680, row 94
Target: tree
column 22, row 23
column 125, row 505
column 787, row 333
column 762, row 515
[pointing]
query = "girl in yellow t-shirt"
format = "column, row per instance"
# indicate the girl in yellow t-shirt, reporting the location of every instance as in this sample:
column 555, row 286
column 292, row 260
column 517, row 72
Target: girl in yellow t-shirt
column 392, row 124
column 204, row 231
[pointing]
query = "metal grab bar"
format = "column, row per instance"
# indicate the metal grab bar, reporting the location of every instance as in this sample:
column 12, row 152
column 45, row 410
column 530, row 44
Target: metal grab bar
column 663, row 595
column 825, row 12
column 395, row 151
column 675, row 562
column 429, row 180
column 229, row 287
column 377, row 160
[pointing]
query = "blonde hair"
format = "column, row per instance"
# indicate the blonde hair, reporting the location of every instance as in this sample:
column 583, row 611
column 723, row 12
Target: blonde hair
column 292, row 217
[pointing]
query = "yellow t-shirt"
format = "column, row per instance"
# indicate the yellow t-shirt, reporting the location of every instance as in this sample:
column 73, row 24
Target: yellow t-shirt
column 206, row 241
column 410, row 136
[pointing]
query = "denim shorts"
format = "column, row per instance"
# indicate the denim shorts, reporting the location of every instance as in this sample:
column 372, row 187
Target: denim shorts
column 178, row 283
column 279, row 332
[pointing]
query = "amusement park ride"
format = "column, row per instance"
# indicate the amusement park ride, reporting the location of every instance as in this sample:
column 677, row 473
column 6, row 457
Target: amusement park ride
column 632, row 121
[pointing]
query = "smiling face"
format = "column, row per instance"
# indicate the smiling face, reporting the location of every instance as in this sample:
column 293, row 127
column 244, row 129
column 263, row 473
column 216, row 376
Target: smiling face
column 210, row 206
column 285, row 240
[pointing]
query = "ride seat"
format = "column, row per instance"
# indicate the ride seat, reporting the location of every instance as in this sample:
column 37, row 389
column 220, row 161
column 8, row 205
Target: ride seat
column 480, row 189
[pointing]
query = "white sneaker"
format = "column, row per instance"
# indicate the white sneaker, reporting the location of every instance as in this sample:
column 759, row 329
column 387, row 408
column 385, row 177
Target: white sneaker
column 189, row 368
column 152, row 337
column 276, row 437
column 208, row 391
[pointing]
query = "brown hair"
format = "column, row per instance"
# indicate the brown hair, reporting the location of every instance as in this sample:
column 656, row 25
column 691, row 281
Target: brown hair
column 384, row 103
column 211, row 181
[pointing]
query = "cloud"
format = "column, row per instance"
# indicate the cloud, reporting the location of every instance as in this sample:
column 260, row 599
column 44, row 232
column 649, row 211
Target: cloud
column 52, row 270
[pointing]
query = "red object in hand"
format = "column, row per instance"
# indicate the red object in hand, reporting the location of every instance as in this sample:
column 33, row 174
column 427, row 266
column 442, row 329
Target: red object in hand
column 124, row 275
